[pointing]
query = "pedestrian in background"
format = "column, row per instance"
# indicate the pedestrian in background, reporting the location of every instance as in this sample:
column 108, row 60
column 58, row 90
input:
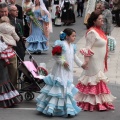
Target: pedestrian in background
column 67, row 16
column 80, row 7
column 116, row 11
column 26, row 7
column 54, row 4
column 56, row 98
column 107, row 17
column 18, row 24
column 93, row 91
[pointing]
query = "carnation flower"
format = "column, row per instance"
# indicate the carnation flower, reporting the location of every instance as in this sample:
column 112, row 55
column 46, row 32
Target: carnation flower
column 57, row 50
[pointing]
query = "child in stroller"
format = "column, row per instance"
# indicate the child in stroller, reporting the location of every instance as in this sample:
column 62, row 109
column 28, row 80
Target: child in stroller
column 32, row 78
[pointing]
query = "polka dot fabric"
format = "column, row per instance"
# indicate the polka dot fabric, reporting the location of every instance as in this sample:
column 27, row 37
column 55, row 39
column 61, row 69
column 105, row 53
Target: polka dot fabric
column 97, row 107
column 94, row 97
column 93, row 89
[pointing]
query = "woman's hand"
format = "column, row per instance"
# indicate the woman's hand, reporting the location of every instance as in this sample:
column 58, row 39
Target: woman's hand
column 85, row 65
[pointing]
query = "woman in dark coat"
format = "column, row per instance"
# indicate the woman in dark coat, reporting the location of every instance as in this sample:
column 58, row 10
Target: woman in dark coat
column 68, row 15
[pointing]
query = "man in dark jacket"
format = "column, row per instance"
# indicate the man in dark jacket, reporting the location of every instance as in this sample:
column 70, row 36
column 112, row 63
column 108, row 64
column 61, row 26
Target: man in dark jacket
column 20, row 48
column 13, row 2
column 13, row 13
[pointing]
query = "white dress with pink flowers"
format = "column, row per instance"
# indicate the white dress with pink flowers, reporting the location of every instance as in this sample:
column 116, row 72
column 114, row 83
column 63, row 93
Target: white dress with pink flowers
column 93, row 91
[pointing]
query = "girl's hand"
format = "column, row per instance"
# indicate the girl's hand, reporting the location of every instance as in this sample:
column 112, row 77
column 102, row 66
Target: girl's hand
column 66, row 65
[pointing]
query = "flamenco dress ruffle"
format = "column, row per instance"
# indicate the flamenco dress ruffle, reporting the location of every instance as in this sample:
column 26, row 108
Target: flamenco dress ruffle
column 56, row 100
column 94, row 93
column 9, row 95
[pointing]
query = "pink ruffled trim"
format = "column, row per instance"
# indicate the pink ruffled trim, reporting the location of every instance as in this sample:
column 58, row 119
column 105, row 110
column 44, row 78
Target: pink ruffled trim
column 86, row 52
column 97, row 107
column 100, row 88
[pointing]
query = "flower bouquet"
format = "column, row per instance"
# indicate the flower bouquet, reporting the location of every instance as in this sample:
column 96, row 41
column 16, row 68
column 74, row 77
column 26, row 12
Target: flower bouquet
column 34, row 19
column 57, row 50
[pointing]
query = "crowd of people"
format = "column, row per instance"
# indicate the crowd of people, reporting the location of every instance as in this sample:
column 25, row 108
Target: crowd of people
column 32, row 22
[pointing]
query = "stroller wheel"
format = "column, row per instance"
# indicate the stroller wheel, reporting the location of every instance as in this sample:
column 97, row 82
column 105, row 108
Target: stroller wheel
column 32, row 95
column 29, row 96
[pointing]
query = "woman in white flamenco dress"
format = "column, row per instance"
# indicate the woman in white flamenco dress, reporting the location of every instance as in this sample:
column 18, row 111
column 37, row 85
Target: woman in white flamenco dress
column 93, row 91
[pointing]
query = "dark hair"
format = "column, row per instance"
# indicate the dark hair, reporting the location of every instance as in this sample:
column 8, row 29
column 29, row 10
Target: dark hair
column 3, row 5
column 68, row 31
column 93, row 17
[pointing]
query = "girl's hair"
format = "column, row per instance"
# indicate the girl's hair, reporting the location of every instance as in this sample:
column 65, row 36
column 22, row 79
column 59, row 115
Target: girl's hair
column 93, row 17
column 4, row 19
column 66, row 32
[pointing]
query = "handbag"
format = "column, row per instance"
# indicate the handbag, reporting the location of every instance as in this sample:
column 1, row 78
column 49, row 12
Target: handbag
column 111, row 43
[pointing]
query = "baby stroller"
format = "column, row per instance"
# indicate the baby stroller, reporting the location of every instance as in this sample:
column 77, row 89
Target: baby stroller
column 32, row 78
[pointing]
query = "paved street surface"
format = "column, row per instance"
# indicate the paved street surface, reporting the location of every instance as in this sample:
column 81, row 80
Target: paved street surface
column 27, row 109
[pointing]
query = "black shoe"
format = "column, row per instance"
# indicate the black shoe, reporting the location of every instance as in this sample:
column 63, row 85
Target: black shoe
column 37, row 53
column 78, row 16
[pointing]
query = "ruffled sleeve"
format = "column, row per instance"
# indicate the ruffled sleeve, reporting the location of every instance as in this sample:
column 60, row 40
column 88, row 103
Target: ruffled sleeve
column 90, row 39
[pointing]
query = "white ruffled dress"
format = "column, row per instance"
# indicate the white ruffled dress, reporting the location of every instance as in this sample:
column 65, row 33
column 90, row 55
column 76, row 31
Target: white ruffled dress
column 93, row 91
column 57, row 96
